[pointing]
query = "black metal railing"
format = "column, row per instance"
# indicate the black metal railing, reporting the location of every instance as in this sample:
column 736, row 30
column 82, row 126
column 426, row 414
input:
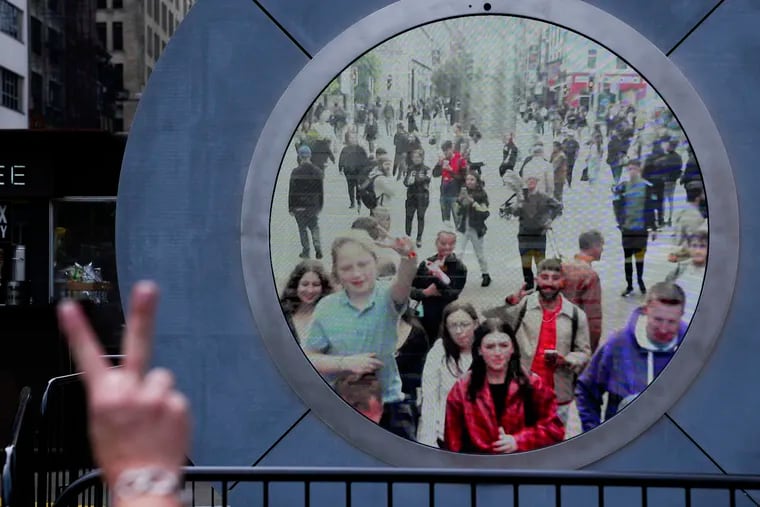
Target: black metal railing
column 217, row 484
column 18, row 473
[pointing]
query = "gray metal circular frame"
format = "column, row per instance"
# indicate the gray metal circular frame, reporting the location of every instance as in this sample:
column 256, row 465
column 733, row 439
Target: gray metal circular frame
column 656, row 68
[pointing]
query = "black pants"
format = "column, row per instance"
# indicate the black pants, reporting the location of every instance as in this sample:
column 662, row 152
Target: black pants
column 400, row 419
column 658, row 196
column 353, row 189
column 416, row 204
column 503, row 168
column 570, row 166
column 532, row 247
column 634, row 249
column 307, row 219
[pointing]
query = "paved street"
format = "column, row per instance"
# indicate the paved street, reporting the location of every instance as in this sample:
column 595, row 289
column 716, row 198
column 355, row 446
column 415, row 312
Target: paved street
column 586, row 208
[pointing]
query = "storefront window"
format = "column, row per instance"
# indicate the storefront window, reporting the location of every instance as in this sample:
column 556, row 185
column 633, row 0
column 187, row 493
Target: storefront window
column 84, row 262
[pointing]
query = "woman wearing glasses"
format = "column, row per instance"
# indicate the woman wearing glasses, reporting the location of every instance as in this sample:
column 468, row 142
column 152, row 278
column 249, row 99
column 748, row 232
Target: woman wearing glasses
column 448, row 359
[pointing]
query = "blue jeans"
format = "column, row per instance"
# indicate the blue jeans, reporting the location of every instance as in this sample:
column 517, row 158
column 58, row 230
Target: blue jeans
column 447, row 206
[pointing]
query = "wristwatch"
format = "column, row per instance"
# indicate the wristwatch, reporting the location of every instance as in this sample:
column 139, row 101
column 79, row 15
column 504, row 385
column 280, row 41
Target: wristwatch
column 155, row 481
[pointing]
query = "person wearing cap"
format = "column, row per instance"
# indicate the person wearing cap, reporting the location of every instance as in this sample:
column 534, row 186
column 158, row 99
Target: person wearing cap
column 305, row 201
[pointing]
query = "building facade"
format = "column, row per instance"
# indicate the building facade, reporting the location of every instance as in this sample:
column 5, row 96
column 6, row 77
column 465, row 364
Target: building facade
column 65, row 66
column 14, row 64
column 135, row 34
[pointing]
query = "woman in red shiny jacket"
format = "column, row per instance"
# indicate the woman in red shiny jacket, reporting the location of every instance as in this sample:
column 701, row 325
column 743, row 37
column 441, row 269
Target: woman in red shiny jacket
column 497, row 408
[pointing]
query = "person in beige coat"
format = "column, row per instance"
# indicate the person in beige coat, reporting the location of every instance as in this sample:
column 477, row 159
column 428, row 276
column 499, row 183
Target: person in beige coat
column 552, row 333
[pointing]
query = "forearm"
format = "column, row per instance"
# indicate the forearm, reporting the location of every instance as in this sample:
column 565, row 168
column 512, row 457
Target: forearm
column 325, row 363
column 402, row 285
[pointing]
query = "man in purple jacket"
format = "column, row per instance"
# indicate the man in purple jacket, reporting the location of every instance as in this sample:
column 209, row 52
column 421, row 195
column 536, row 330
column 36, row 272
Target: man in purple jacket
column 631, row 358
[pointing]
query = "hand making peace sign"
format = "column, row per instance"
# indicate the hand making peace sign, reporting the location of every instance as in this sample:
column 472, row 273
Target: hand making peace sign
column 137, row 419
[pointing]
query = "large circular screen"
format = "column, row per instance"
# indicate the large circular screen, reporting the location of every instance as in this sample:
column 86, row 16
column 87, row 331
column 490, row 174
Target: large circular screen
column 488, row 235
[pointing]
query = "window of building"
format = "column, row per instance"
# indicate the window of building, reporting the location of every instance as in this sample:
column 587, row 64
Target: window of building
column 11, row 19
column 118, row 36
column 118, row 76
column 163, row 46
column 53, row 6
column 156, row 46
column 118, row 124
column 155, row 10
column 101, row 29
column 149, row 41
column 148, row 70
column 163, row 16
column 55, row 45
column 102, row 4
column 36, row 91
column 55, row 95
column 12, row 89
column 36, row 38
column 171, row 24
column 117, row 4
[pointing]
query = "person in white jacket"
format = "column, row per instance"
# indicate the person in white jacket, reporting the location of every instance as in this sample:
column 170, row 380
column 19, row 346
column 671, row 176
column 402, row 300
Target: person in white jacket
column 448, row 359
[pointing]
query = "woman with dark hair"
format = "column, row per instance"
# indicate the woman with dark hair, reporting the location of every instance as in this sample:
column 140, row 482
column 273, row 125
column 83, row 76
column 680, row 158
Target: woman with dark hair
column 471, row 212
column 307, row 284
column 497, row 408
column 447, row 361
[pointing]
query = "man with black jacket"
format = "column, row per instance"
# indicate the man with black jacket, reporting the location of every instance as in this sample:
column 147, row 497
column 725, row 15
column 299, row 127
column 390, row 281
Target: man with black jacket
column 439, row 281
column 670, row 166
column 305, row 200
column 570, row 148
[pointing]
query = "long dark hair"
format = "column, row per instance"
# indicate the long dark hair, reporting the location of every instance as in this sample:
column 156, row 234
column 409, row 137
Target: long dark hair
column 450, row 347
column 289, row 297
column 479, row 192
column 514, row 370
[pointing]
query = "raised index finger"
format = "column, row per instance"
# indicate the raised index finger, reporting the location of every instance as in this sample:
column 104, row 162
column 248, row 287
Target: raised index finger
column 139, row 333
column 82, row 341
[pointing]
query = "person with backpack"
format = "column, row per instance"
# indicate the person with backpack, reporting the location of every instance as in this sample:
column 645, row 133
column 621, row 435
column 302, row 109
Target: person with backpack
column 377, row 189
column 498, row 407
column 552, row 333
column 353, row 159
column 417, row 183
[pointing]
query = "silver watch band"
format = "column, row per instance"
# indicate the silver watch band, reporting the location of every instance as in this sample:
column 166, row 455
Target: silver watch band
column 148, row 481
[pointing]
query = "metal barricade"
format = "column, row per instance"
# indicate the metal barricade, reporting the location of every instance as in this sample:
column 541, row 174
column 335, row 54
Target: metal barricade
column 219, row 484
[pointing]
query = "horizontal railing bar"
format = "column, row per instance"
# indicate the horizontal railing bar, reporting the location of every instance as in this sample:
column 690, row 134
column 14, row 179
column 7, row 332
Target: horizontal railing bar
column 447, row 476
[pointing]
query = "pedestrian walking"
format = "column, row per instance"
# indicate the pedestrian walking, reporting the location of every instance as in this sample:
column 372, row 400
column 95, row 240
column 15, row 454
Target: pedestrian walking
column 353, row 160
column 634, row 212
column 471, row 215
column 305, row 201
column 417, row 183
